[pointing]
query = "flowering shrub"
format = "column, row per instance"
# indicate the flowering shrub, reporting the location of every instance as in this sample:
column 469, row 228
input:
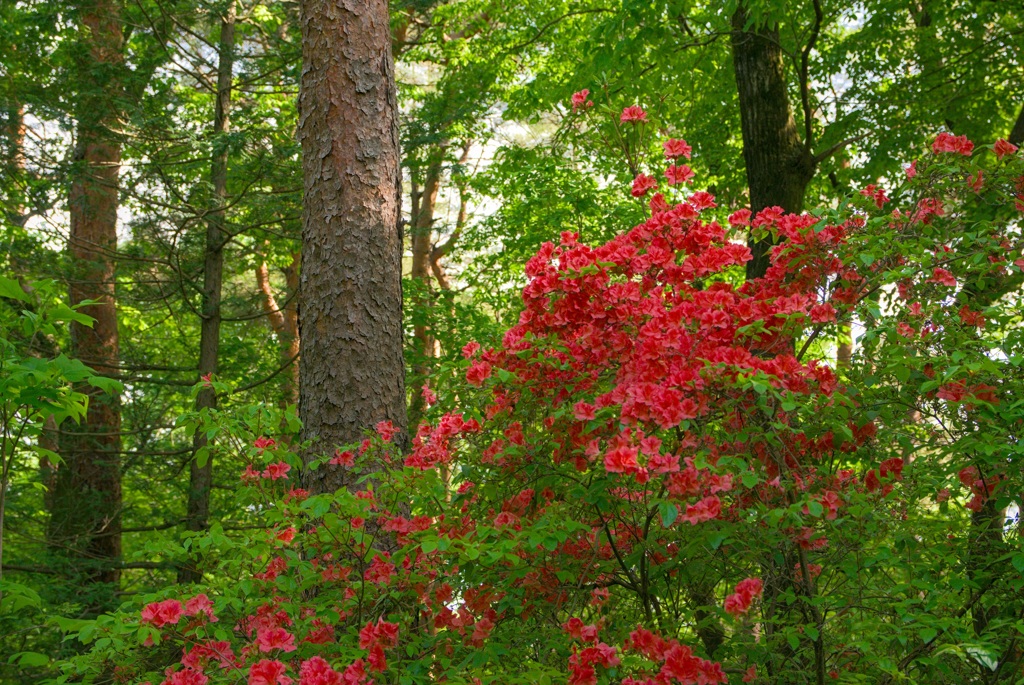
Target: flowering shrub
column 662, row 475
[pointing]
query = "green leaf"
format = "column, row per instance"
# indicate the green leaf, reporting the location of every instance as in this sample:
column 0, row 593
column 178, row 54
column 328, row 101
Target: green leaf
column 669, row 513
column 29, row 659
column 107, row 385
column 1018, row 561
column 10, row 288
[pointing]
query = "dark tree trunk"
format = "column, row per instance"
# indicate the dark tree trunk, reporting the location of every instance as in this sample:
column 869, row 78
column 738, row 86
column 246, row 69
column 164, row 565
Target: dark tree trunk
column 779, row 163
column 86, row 517
column 1017, row 132
column 421, row 233
column 351, row 369
column 200, row 479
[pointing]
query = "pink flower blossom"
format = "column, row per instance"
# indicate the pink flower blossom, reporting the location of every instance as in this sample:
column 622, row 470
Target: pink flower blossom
column 270, row 639
column 675, row 148
column 276, row 470
column 947, row 142
column 346, row 459
column 159, row 614
column 579, row 99
column 478, row 372
column 633, row 113
column 641, row 184
column 1003, row 148
column 679, row 174
column 200, row 604
column 268, row 672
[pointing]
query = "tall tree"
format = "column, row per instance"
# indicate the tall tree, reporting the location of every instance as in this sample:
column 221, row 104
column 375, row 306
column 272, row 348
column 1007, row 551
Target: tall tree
column 201, row 466
column 778, row 160
column 86, row 518
column 351, row 367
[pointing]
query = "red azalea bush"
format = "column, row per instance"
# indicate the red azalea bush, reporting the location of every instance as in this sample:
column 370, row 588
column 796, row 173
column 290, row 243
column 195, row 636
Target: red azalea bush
column 661, row 476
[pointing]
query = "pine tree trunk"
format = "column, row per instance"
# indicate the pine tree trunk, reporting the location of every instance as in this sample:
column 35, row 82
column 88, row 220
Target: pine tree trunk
column 201, row 470
column 779, row 164
column 86, row 518
column 351, row 368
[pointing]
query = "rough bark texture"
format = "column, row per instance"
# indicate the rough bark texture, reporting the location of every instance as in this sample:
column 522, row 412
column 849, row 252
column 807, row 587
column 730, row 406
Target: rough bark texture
column 351, row 369
column 779, row 164
column 86, row 519
column 201, row 474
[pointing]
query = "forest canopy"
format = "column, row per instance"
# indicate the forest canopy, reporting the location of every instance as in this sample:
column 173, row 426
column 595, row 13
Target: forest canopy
column 645, row 343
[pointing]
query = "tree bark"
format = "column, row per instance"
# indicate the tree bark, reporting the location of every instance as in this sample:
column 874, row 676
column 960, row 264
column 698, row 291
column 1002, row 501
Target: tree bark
column 351, row 370
column 779, row 163
column 201, row 471
column 86, row 518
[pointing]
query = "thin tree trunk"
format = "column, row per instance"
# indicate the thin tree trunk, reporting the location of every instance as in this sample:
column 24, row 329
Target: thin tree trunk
column 421, row 232
column 285, row 323
column 14, row 163
column 201, row 470
column 351, row 368
column 779, row 163
column 86, row 518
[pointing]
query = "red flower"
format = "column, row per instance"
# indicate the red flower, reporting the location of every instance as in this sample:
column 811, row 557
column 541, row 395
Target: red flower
column 942, row 277
column 380, row 570
column 947, row 142
column 378, row 662
column 270, row 639
column 707, row 509
column 678, row 174
column 346, row 458
column 676, row 147
column 641, row 184
column 1003, row 148
column 386, row 430
column 316, row 671
column 740, row 218
column 621, row 459
column 159, row 614
column 268, row 672
column 478, row 372
column 891, row 467
column 276, row 470
column 579, row 99
column 200, row 604
column 633, row 113
column 186, row 676
column 747, row 591
column 505, row 518
column 876, row 193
